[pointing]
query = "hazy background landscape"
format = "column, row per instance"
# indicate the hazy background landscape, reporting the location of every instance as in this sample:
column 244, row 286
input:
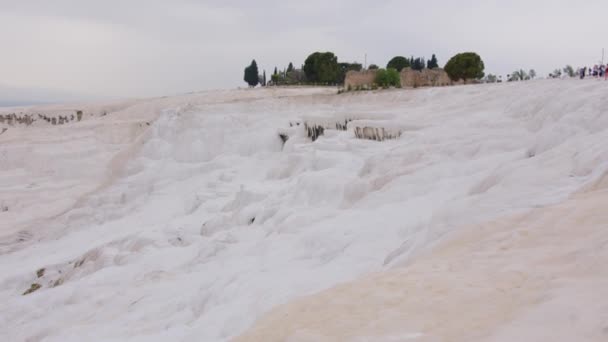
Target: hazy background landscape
column 68, row 49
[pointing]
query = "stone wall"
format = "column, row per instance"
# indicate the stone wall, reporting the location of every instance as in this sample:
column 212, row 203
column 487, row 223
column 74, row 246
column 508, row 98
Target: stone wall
column 359, row 78
column 426, row 78
column 409, row 78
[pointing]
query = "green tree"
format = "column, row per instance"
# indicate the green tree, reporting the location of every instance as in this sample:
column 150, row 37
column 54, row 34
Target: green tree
column 295, row 77
column 275, row 71
column 532, row 73
column 290, row 67
column 398, row 63
column 275, row 79
column 251, row 74
column 432, row 63
column 372, row 67
column 321, row 67
column 568, row 70
column 388, row 78
column 264, row 79
column 465, row 66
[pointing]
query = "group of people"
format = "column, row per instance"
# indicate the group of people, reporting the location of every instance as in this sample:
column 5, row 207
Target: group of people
column 598, row 71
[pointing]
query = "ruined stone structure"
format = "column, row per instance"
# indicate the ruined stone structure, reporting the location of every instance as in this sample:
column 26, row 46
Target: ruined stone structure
column 376, row 133
column 14, row 119
column 409, row 78
column 426, row 78
column 27, row 119
column 364, row 78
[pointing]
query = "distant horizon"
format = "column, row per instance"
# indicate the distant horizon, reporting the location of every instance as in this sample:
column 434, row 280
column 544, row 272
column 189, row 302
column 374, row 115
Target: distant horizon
column 9, row 104
column 25, row 97
column 84, row 99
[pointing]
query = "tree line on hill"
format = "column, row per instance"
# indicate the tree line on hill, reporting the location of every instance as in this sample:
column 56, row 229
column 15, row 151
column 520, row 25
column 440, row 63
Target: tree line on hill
column 399, row 63
column 522, row 75
column 323, row 68
column 320, row 68
column 517, row 75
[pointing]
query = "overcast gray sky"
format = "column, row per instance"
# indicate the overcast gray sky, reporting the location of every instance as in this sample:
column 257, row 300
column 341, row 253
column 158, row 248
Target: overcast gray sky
column 147, row 47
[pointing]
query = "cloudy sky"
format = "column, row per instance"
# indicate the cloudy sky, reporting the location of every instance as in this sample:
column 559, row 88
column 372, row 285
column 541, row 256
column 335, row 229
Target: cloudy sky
column 123, row 48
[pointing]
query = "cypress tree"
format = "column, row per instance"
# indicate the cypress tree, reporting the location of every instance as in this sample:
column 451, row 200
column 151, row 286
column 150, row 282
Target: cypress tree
column 251, row 74
column 432, row 63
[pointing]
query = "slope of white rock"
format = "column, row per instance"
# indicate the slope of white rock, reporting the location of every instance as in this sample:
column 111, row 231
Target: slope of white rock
column 187, row 218
column 538, row 276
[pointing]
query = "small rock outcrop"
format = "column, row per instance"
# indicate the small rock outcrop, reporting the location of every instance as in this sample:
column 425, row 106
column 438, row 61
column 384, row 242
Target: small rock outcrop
column 314, row 131
column 33, row 287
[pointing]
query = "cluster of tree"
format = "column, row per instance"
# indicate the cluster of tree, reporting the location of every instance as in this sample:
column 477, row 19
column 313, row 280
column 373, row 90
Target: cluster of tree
column 521, row 75
column 288, row 76
column 399, row 63
column 324, row 68
column 319, row 68
column 417, row 63
column 568, row 70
